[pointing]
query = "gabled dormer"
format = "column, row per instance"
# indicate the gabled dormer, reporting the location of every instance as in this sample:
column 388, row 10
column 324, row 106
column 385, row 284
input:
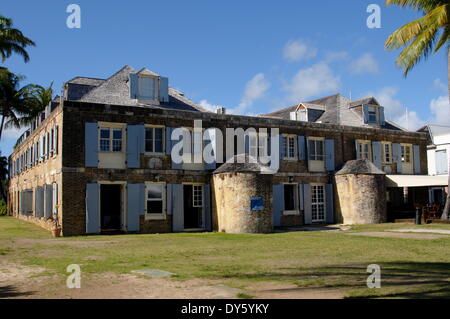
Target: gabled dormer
column 149, row 87
column 372, row 113
column 307, row 112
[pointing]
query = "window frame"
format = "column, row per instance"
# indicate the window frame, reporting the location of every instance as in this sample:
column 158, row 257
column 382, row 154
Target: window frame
column 155, row 87
column 373, row 113
column 287, row 148
column 112, row 127
column 406, row 146
column 359, row 151
column 194, row 199
column 163, row 215
column 153, row 127
column 318, row 203
column 383, row 152
column 316, row 140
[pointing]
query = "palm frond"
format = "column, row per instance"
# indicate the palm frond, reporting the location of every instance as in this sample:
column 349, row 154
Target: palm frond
column 424, row 5
column 419, row 37
column 445, row 38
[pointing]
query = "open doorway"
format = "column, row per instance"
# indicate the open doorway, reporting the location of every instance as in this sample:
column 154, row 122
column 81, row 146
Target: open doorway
column 193, row 206
column 110, row 207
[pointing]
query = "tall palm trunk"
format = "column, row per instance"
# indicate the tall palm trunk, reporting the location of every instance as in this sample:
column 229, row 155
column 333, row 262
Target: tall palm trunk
column 446, row 212
column 1, row 126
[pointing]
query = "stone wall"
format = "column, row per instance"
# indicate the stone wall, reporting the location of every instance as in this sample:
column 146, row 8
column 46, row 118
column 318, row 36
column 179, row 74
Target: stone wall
column 231, row 204
column 360, row 199
column 67, row 169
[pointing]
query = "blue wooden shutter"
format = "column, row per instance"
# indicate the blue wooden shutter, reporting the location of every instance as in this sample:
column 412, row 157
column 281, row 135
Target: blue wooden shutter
column 48, row 201
column 55, row 199
column 210, row 138
column 91, row 145
column 164, row 89
column 169, row 196
column 277, row 204
column 283, row 143
column 92, row 208
column 302, row 148
column 382, row 119
column 170, row 144
column 397, row 155
column 168, row 137
column 365, row 109
column 301, row 197
column 39, row 201
column 329, row 153
column 329, row 203
column 441, row 162
column 135, row 145
column 376, row 151
column 135, row 207
column 307, row 197
column 416, row 159
column 207, row 207
column 134, row 80
column 41, row 148
column 177, row 207
column 56, row 134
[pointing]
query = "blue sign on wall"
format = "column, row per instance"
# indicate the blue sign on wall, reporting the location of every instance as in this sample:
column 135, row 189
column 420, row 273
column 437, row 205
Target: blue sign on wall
column 256, row 203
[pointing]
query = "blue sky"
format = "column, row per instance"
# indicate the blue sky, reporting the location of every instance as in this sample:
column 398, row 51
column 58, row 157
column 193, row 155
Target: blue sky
column 250, row 56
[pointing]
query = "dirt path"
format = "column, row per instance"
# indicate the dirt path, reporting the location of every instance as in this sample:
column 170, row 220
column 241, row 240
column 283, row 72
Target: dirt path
column 18, row 281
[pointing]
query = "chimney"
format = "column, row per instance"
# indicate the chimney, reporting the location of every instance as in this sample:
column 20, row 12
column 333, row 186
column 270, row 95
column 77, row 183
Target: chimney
column 221, row 110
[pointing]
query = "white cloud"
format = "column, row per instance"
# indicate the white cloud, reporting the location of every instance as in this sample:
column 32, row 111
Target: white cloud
column 254, row 89
column 440, row 108
column 296, row 50
column 438, row 84
column 315, row 80
column 208, row 106
column 366, row 64
column 333, row 56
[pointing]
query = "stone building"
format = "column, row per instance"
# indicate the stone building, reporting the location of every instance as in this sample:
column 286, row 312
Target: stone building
column 100, row 160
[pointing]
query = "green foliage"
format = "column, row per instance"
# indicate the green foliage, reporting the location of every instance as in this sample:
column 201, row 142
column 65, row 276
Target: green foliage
column 12, row 40
column 3, row 208
column 422, row 36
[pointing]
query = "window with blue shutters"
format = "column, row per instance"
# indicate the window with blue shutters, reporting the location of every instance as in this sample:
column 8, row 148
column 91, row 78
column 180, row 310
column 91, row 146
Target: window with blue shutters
column 289, row 147
column 155, row 201
column 318, row 203
column 111, row 139
column 441, row 162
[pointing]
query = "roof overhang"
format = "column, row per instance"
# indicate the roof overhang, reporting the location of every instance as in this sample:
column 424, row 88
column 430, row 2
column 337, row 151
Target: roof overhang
column 416, row 180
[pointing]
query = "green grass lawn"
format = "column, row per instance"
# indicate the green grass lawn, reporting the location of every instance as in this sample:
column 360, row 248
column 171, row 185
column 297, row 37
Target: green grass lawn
column 326, row 259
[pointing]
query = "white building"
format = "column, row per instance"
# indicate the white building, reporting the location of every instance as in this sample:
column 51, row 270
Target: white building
column 438, row 154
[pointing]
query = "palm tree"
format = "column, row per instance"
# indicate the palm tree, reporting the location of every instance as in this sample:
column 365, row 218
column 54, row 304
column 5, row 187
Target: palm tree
column 420, row 38
column 14, row 100
column 3, row 177
column 12, row 40
column 38, row 99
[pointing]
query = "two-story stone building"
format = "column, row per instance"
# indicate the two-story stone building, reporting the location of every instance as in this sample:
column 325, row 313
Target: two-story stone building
column 99, row 160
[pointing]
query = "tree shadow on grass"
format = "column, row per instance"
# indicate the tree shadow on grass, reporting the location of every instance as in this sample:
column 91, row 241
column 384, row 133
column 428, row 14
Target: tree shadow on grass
column 12, row 292
column 398, row 279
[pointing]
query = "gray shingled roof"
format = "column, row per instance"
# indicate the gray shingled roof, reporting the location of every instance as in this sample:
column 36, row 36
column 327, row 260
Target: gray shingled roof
column 334, row 109
column 115, row 91
column 360, row 167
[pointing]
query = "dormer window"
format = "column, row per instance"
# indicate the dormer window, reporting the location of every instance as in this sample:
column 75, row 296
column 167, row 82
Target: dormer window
column 148, row 88
column 302, row 115
column 372, row 114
